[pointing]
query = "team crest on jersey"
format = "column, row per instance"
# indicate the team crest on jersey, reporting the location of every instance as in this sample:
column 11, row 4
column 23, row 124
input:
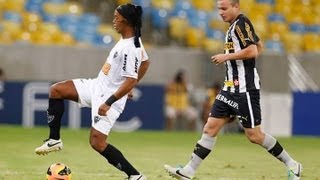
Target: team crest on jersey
column 236, row 82
column 96, row 119
column 115, row 55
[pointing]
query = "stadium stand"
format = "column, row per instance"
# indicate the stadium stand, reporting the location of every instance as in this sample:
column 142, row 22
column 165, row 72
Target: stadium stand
column 190, row 23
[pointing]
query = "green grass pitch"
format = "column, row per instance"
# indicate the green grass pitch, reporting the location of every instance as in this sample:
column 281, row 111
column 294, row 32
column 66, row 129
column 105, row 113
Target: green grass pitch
column 234, row 158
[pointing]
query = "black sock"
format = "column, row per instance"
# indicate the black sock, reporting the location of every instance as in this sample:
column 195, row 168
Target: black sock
column 54, row 114
column 276, row 150
column 116, row 158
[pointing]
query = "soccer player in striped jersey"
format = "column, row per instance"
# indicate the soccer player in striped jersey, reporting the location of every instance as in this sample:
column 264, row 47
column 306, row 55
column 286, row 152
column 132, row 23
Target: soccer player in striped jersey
column 107, row 94
column 240, row 96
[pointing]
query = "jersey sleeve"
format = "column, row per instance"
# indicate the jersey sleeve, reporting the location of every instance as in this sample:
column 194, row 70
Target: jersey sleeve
column 245, row 32
column 131, row 60
column 143, row 53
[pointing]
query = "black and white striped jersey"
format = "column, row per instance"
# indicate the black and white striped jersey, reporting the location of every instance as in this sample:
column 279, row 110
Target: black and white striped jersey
column 241, row 75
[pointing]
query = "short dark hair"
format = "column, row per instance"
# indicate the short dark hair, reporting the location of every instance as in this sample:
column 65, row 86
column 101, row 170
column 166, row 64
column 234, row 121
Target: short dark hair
column 235, row 2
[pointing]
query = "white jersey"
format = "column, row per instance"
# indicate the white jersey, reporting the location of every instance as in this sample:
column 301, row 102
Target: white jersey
column 124, row 60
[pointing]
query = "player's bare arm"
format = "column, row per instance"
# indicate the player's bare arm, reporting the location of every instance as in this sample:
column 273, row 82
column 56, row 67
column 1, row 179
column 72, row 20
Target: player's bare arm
column 248, row 53
column 143, row 69
column 124, row 89
column 259, row 47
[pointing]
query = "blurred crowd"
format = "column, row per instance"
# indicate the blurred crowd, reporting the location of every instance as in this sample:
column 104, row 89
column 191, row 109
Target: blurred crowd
column 185, row 111
column 286, row 26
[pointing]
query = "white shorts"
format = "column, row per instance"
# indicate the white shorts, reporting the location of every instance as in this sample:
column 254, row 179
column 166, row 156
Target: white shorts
column 90, row 97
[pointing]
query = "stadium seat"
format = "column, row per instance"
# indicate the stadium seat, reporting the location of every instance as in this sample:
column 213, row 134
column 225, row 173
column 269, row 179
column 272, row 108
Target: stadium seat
column 123, row 1
column 54, row 8
column 247, row 5
column 271, row 2
column 177, row 27
column 199, row 19
column 68, row 23
column 213, row 45
column 276, row 17
column 297, row 28
column 218, row 25
column 146, row 6
column 24, row 37
column 203, row 5
column 31, row 21
column 215, row 34
column 293, row 42
column 162, row 4
column 314, row 28
column 160, row 18
column 6, row 37
column 34, row 6
column 9, row 31
column 277, row 28
column 107, row 29
column 274, row 46
column 103, row 40
column 14, row 5
column 64, row 39
column 41, row 38
column 311, row 42
column 261, row 26
column 182, row 9
column 73, row 8
column 12, row 16
column 194, row 37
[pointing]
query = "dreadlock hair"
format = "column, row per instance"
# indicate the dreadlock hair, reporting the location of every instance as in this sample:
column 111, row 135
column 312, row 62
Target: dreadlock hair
column 132, row 14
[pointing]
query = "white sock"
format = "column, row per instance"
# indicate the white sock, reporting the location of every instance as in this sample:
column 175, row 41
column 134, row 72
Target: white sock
column 206, row 144
column 270, row 143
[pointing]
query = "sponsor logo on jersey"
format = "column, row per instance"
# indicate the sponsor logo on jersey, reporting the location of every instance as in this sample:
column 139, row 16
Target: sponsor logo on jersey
column 136, row 65
column 106, row 68
column 124, row 68
column 240, row 34
column 229, row 47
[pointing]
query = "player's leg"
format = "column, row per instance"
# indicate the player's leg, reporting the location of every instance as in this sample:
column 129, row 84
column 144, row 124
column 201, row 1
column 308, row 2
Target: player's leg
column 221, row 112
column 251, row 119
column 202, row 149
column 255, row 135
column 58, row 92
column 101, row 126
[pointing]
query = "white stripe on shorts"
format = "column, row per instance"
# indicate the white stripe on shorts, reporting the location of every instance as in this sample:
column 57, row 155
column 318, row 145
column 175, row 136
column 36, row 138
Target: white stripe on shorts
column 250, row 109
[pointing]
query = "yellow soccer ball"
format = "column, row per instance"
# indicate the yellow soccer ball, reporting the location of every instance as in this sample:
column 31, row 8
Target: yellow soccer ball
column 58, row 171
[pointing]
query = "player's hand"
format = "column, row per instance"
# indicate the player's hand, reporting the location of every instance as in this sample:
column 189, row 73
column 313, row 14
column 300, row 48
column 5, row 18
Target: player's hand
column 130, row 94
column 103, row 109
column 219, row 58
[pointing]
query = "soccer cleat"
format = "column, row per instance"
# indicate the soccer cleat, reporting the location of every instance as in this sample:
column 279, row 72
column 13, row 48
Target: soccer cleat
column 48, row 146
column 137, row 177
column 177, row 172
column 294, row 173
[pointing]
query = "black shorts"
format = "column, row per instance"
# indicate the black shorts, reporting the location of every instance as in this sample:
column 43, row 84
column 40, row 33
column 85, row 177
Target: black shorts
column 245, row 106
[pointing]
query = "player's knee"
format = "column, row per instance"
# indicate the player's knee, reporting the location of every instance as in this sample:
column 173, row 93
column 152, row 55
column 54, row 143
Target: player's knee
column 55, row 91
column 210, row 130
column 97, row 144
column 255, row 138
